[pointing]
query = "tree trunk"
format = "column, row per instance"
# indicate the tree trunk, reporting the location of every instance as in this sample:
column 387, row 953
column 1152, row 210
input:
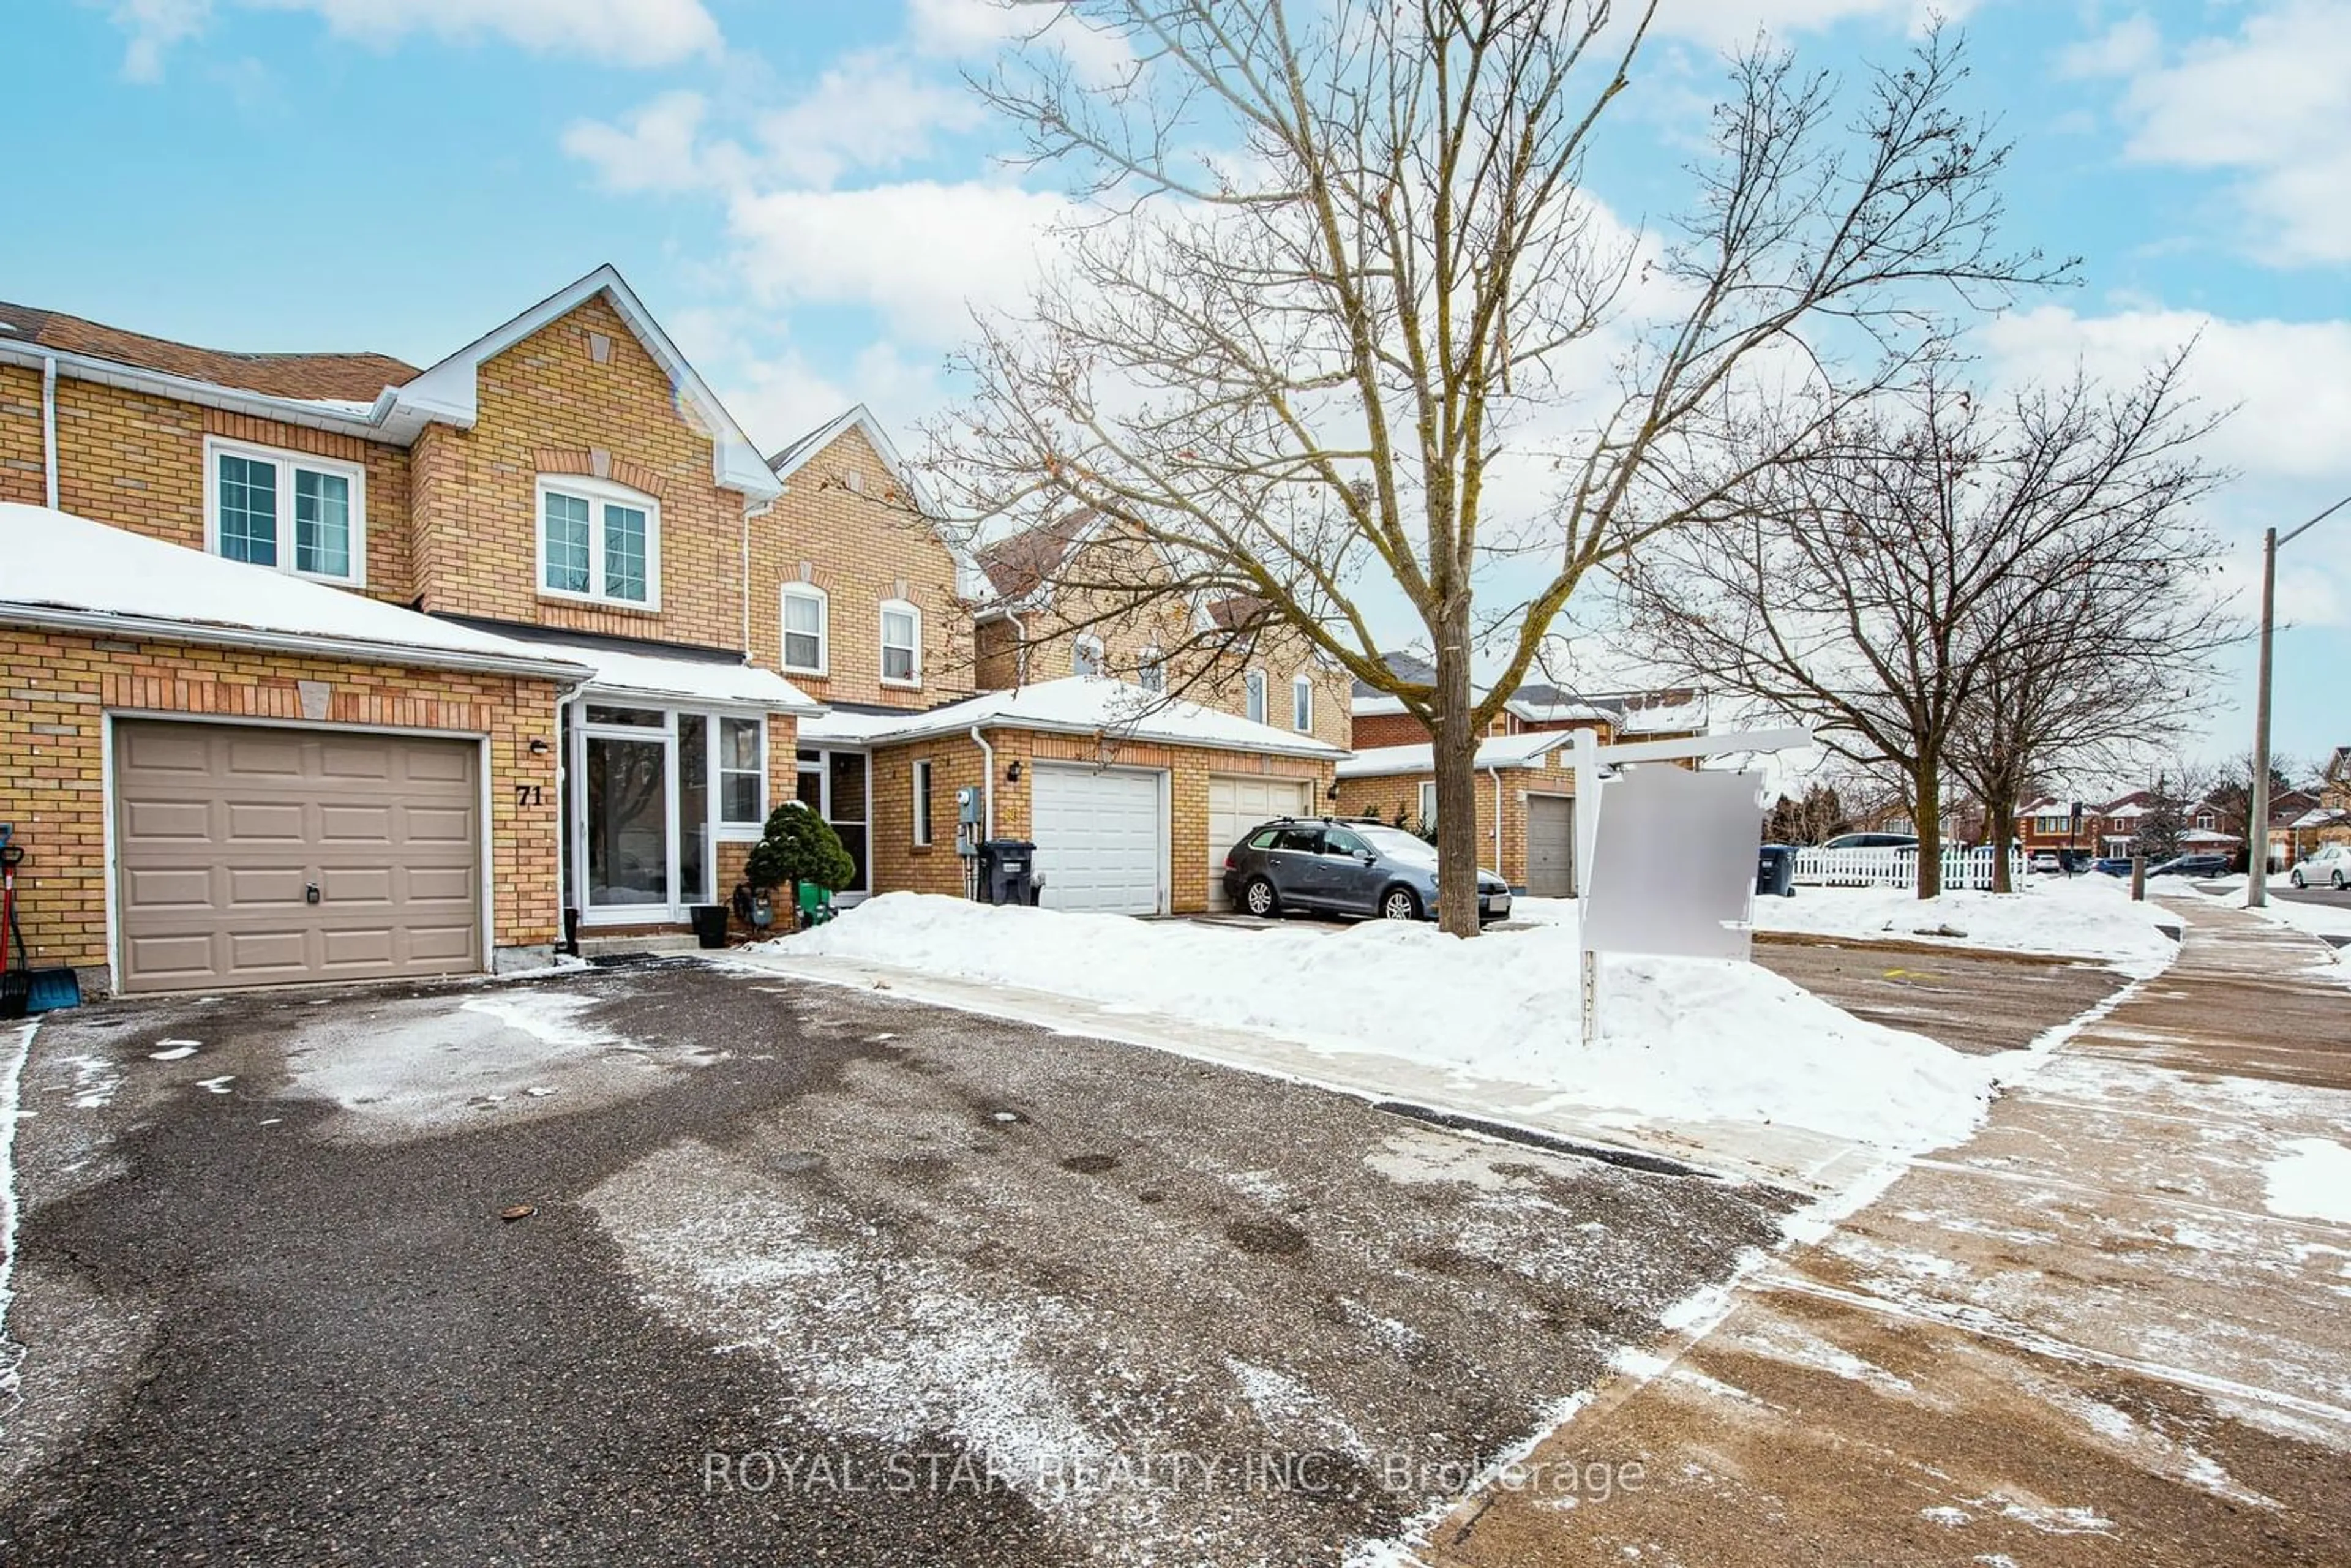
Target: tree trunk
column 1926, row 814
column 1456, row 756
column 2001, row 810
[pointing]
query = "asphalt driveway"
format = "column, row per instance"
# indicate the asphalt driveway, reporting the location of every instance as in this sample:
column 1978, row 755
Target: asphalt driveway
column 809, row 1274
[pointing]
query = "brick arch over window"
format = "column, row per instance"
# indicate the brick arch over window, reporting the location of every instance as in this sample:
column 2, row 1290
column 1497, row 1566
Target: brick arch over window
column 596, row 463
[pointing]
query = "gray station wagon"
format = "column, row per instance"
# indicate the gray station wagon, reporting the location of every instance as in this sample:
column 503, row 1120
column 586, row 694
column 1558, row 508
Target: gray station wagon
column 1335, row 867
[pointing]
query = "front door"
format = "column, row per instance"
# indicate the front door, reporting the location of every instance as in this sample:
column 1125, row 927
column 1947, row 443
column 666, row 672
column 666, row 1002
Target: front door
column 628, row 823
column 836, row 786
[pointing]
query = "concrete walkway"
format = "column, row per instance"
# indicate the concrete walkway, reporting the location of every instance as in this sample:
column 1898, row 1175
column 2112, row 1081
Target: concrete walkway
column 2081, row 1338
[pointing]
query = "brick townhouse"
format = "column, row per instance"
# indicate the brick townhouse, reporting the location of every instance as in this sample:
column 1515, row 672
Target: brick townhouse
column 326, row 666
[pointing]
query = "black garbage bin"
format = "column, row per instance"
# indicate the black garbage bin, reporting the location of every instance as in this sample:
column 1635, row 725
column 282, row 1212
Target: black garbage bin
column 1007, row 870
column 1775, row 870
column 709, row 925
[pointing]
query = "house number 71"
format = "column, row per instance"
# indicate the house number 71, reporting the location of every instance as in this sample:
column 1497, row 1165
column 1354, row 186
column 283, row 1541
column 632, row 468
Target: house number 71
column 530, row 794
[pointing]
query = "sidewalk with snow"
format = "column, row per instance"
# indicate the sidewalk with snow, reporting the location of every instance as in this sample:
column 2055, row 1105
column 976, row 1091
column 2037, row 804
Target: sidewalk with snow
column 2076, row 917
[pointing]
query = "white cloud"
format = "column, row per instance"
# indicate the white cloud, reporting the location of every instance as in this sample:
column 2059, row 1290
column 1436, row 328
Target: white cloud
column 658, row 147
column 869, row 111
column 919, row 253
column 155, row 26
column 2129, row 46
column 1731, row 23
column 2270, row 104
column 965, row 29
column 615, row 32
column 2289, row 381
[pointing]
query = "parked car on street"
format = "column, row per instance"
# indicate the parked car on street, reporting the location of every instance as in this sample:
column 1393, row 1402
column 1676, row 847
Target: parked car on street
column 2112, row 866
column 2047, row 861
column 2194, row 865
column 1332, row 866
column 2330, row 863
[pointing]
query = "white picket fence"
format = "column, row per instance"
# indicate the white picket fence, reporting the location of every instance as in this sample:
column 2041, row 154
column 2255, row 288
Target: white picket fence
column 1900, row 868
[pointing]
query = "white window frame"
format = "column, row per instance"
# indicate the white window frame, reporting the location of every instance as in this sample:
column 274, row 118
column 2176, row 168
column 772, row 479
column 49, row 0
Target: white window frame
column 664, row 734
column 882, row 630
column 823, row 665
column 922, row 803
column 721, row 830
column 1151, row 671
column 352, row 474
column 1086, row 646
column 598, row 494
column 1428, row 802
column 1253, row 697
column 1302, row 705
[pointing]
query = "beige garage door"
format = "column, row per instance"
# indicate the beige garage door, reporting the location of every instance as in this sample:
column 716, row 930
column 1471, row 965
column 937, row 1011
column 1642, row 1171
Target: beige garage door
column 254, row 856
column 1237, row 805
column 1551, row 845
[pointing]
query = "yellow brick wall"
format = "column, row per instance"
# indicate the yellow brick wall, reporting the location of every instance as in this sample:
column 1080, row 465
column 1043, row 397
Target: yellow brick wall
column 1128, row 629
column 22, row 474
column 547, row 406
column 843, row 527
column 138, row 462
column 55, row 687
column 899, row 864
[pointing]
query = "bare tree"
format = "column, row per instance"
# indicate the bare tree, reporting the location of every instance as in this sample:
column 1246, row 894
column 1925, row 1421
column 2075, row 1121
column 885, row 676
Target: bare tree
column 1350, row 337
column 2104, row 641
column 1945, row 584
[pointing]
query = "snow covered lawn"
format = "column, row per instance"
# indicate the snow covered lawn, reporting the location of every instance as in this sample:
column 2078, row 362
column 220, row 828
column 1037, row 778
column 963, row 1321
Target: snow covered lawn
column 2080, row 917
column 1687, row 1038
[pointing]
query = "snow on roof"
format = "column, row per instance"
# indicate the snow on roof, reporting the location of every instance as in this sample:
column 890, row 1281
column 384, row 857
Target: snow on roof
column 1499, row 751
column 55, row 565
column 1365, row 704
column 689, row 680
column 1659, row 716
column 1079, row 704
column 2317, row 817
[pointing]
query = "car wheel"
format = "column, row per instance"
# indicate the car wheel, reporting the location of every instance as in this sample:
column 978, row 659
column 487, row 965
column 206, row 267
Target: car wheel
column 2338, row 881
column 1398, row 904
column 2298, row 879
column 1259, row 899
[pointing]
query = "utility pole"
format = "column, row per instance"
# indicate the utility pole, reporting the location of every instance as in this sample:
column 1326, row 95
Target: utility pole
column 2257, row 813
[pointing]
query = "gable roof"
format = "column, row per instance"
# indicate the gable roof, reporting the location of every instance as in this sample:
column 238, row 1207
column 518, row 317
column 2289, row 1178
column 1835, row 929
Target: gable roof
column 449, row 389
column 357, row 378
column 1019, row 564
column 372, row 396
column 796, row 454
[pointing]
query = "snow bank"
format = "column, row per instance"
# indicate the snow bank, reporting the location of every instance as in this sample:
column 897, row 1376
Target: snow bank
column 2312, row 1180
column 2082, row 917
column 1684, row 1039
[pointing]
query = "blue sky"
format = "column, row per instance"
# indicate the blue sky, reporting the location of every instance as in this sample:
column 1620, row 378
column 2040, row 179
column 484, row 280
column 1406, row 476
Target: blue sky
column 805, row 193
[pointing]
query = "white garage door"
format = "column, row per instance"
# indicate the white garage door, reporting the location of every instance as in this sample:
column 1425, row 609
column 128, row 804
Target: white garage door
column 1101, row 839
column 1237, row 805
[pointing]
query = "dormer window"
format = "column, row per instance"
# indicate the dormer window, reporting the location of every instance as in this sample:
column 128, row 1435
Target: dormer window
column 287, row 510
column 599, row 541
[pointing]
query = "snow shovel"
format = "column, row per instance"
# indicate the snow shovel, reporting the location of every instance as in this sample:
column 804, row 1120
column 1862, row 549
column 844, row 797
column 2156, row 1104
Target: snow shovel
column 23, row 988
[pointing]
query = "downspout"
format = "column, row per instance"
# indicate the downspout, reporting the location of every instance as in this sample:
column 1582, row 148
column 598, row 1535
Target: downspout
column 751, row 509
column 1496, row 775
column 1020, row 651
column 50, row 428
column 987, row 779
